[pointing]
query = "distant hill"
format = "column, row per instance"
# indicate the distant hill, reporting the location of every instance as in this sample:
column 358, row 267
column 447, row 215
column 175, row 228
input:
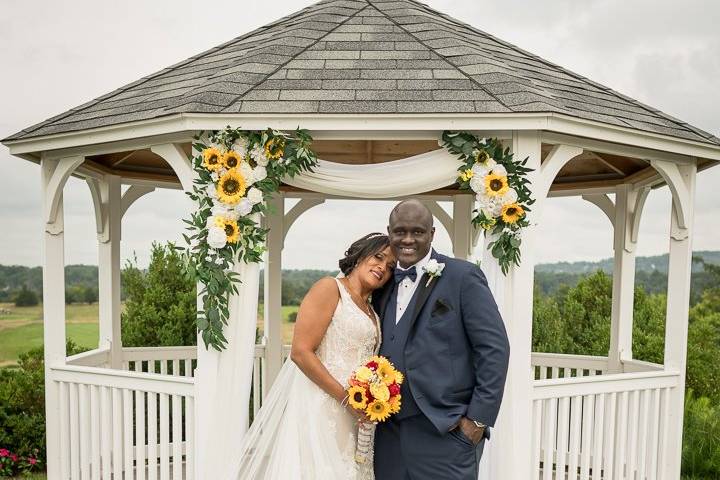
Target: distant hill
column 657, row 263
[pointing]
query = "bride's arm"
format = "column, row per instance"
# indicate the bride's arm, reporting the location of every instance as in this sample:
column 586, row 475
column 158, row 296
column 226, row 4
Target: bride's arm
column 313, row 318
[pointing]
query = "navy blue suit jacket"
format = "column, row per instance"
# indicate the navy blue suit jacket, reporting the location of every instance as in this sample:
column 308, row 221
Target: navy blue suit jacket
column 457, row 351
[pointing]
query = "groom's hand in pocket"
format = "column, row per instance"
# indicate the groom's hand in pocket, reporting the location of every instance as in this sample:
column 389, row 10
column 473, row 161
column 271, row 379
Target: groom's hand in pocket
column 470, row 430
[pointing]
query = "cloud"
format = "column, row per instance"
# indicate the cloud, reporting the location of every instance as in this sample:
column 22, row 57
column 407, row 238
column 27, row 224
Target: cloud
column 663, row 54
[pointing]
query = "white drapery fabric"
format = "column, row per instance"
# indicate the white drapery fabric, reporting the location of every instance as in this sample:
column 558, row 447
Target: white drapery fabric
column 223, row 381
column 409, row 176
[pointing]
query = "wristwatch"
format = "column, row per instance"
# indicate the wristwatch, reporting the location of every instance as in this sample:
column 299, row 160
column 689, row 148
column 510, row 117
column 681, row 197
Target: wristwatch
column 479, row 424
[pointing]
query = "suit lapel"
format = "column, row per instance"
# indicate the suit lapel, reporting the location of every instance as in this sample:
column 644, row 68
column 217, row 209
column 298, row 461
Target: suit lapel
column 424, row 291
column 385, row 297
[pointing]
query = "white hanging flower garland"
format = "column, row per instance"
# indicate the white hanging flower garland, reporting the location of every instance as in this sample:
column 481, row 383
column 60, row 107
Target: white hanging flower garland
column 501, row 191
column 237, row 172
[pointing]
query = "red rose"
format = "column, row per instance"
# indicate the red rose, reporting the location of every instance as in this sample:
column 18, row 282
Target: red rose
column 32, row 461
column 14, row 457
column 394, row 389
column 369, row 395
column 372, row 365
column 4, row 452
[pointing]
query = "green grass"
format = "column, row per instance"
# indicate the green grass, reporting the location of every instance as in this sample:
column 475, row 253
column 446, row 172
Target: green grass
column 22, row 329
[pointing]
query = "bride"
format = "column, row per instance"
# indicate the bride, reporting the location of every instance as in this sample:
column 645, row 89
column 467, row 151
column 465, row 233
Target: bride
column 305, row 430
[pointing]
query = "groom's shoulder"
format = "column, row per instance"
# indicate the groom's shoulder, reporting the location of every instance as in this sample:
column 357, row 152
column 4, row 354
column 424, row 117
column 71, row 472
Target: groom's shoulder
column 457, row 265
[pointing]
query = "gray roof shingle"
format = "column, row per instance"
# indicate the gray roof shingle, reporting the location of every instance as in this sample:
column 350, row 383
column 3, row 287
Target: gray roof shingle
column 365, row 56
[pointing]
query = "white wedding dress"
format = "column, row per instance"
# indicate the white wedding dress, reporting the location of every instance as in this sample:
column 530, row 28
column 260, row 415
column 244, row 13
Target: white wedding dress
column 301, row 432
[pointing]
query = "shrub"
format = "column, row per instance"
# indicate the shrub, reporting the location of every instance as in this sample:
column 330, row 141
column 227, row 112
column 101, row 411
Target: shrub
column 292, row 317
column 22, row 412
column 701, row 438
column 160, row 305
column 26, row 298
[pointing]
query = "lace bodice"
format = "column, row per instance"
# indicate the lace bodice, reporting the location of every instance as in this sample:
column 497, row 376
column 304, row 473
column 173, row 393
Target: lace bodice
column 351, row 338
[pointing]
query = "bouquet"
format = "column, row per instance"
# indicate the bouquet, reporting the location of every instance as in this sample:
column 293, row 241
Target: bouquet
column 374, row 389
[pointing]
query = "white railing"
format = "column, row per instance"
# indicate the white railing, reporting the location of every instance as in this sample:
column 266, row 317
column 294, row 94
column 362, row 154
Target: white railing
column 176, row 361
column 123, row 424
column 558, row 365
column 92, row 358
column 611, row 426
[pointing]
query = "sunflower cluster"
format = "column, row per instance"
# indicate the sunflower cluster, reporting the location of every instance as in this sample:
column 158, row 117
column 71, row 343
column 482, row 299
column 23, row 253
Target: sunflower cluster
column 500, row 186
column 375, row 389
column 236, row 172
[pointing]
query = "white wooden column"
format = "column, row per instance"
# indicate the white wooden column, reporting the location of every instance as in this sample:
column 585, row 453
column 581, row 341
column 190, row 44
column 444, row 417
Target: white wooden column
column 623, row 280
column 678, row 303
column 509, row 450
column 272, row 331
column 462, row 228
column 54, row 174
column 109, row 268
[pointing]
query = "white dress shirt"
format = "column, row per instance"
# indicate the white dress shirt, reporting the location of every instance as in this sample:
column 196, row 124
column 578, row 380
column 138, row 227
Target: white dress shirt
column 406, row 288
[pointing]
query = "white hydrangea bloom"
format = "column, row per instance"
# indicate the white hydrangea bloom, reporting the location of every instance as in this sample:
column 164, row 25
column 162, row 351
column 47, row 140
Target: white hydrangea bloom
column 216, row 237
column 243, row 207
column 477, row 183
column 258, row 154
column 255, row 195
column 510, row 197
column 259, row 173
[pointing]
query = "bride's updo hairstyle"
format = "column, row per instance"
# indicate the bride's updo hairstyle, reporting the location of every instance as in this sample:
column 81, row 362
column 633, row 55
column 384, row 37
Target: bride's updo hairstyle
column 361, row 249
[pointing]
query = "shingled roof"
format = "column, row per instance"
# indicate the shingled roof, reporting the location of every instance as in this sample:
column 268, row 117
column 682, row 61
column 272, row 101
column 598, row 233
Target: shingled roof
column 365, row 56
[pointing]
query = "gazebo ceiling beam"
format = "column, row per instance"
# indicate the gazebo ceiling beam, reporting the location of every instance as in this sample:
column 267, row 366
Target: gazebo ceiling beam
column 599, row 146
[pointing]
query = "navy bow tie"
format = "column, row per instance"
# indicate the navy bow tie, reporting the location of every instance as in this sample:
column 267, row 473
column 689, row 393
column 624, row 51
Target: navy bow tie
column 401, row 274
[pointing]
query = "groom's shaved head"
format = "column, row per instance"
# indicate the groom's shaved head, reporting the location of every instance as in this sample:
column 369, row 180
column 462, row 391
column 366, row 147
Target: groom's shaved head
column 411, row 231
column 414, row 208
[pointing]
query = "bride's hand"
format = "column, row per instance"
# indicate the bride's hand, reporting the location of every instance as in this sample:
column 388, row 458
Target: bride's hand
column 360, row 416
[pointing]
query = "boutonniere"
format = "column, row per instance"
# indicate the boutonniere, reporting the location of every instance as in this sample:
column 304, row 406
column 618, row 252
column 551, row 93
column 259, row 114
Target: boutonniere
column 434, row 269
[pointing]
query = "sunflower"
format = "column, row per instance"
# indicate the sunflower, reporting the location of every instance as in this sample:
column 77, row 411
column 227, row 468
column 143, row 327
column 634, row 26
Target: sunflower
column 378, row 411
column 357, row 398
column 512, row 212
column 387, row 373
column 231, row 187
column 231, row 159
column 399, row 377
column 380, row 392
column 496, row 185
column 275, row 148
column 230, row 227
column 212, row 159
column 481, row 157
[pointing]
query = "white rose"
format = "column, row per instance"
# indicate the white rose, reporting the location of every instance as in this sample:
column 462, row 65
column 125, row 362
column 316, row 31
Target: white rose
column 480, row 170
column 216, row 237
column 240, row 146
column 495, row 208
column 212, row 191
column 214, row 176
column 477, row 183
column 246, row 171
column 259, row 173
column 255, row 195
column 211, row 221
column 243, row 207
column 499, row 170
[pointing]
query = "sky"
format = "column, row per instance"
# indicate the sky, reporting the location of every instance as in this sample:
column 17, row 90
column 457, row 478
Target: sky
column 58, row 55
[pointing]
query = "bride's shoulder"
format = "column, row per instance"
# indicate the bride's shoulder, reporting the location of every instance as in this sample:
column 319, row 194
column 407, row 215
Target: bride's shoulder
column 324, row 292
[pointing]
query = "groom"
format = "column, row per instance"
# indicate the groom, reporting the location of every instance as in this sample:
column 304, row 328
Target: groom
column 445, row 333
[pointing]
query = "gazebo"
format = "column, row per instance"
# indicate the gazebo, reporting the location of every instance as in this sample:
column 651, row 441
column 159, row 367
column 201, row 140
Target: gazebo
column 374, row 81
